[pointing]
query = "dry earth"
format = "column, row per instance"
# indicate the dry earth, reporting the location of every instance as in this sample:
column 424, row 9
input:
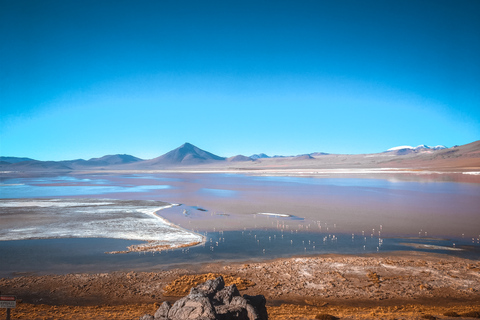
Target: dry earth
column 407, row 286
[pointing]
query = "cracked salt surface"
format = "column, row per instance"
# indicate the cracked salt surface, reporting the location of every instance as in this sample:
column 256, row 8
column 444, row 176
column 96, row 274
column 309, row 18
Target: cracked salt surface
column 90, row 218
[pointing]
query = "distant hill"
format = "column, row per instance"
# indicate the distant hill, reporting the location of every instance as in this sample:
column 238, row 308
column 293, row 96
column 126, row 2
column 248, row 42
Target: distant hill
column 463, row 156
column 14, row 159
column 259, row 156
column 115, row 159
column 35, row 165
column 17, row 164
column 186, row 154
column 404, row 150
column 108, row 160
column 420, row 147
column 239, row 158
column 303, row 157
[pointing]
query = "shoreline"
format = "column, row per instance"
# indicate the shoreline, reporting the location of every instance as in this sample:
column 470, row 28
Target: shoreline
column 472, row 171
column 158, row 246
column 151, row 258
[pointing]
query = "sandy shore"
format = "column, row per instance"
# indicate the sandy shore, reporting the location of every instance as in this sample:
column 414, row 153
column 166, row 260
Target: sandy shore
column 409, row 285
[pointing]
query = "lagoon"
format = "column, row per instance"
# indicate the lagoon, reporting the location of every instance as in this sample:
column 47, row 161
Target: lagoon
column 382, row 214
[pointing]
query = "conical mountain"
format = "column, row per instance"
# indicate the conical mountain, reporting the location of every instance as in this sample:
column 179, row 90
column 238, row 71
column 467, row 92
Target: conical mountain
column 186, row 154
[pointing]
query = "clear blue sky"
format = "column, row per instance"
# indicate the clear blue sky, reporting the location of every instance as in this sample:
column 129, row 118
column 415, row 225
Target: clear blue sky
column 82, row 79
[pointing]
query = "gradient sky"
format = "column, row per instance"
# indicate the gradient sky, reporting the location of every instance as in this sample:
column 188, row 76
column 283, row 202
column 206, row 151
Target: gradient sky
column 82, row 79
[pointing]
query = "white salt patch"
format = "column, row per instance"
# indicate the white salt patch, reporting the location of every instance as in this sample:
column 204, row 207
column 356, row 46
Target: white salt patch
column 430, row 246
column 22, row 229
column 45, row 204
column 118, row 220
column 274, row 214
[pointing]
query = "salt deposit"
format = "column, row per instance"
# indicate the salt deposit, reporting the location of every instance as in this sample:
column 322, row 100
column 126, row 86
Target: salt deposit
column 89, row 218
column 274, row 214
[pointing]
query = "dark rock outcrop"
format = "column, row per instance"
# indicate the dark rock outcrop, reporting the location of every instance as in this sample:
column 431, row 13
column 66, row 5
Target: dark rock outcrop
column 211, row 300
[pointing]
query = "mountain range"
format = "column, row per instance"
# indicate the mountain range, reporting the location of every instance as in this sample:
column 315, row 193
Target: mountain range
column 189, row 156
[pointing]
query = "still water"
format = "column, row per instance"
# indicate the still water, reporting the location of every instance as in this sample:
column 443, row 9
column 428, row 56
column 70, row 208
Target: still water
column 324, row 215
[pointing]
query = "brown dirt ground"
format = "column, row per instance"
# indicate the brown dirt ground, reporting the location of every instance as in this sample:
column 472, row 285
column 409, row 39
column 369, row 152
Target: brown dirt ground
column 407, row 286
column 282, row 312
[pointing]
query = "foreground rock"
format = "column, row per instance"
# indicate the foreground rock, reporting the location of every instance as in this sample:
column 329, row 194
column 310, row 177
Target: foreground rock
column 212, row 300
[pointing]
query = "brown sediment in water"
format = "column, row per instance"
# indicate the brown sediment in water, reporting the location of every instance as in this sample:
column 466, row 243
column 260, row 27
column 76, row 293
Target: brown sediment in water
column 409, row 286
column 159, row 246
column 154, row 246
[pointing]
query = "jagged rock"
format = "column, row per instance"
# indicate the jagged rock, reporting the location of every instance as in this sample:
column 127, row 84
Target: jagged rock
column 225, row 295
column 229, row 312
column 193, row 306
column 254, row 312
column 258, row 303
column 162, row 312
column 209, row 287
column 238, row 301
column 213, row 301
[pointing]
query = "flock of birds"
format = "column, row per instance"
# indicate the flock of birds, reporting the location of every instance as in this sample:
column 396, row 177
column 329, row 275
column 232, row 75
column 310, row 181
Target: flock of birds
column 307, row 236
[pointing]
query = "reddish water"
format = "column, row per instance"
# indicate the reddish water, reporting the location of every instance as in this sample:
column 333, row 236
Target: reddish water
column 399, row 205
column 327, row 211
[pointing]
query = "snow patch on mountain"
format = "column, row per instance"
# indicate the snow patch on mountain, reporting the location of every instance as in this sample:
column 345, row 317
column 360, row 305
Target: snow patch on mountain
column 417, row 148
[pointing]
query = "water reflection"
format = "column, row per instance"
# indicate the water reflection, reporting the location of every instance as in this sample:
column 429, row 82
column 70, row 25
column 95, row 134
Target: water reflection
column 403, row 205
column 219, row 192
column 87, row 255
column 10, row 190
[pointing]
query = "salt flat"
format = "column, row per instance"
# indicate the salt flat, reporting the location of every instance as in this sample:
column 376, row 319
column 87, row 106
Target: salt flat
column 23, row 219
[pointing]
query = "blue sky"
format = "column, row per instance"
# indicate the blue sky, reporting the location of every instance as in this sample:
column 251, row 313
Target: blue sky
column 81, row 79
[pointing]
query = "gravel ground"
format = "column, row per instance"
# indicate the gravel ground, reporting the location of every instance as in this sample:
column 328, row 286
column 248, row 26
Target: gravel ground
column 402, row 286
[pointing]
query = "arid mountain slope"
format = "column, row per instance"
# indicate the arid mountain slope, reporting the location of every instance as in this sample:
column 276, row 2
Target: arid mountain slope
column 186, row 154
column 190, row 157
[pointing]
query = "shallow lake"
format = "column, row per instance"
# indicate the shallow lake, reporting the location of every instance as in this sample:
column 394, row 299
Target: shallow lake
column 340, row 214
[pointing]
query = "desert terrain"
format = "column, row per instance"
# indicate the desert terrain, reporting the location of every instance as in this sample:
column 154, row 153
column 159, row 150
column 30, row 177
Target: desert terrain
column 405, row 285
